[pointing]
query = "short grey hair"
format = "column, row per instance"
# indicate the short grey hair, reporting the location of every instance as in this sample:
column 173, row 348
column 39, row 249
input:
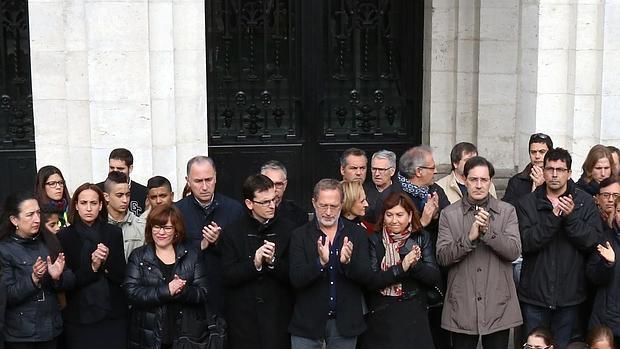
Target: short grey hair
column 197, row 160
column 327, row 184
column 273, row 165
column 412, row 159
column 387, row 155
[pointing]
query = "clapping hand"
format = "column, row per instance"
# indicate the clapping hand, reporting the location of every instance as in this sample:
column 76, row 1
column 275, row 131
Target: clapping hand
column 431, row 209
column 347, row 251
column 176, row 285
column 55, row 269
column 606, row 252
column 264, row 253
column 412, row 258
column 38, row 270
column 323, row 245
column 99, row 256
column 210, row 235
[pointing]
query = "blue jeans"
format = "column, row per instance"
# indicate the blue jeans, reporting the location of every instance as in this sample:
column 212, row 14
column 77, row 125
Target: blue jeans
column 560, row 321
column 332, row 340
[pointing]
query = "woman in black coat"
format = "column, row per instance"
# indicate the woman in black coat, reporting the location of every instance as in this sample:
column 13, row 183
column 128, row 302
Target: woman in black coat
column 165, row 284
column 33, row 271
column 397, row 315
column 96, row 312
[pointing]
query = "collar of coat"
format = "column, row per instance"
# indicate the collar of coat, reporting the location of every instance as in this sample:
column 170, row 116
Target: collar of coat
column 493, row 205
column 179, row 250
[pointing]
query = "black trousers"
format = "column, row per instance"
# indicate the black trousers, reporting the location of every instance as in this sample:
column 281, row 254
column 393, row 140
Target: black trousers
column 31, row 345
column 497, row 340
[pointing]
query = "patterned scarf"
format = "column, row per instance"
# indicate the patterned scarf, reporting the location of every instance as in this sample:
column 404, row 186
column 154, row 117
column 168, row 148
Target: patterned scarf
column 392, row 243
column 419, row 193
column 58, row 205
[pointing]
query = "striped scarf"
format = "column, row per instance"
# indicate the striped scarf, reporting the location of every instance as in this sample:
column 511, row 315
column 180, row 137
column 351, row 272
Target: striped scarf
column 392, row 243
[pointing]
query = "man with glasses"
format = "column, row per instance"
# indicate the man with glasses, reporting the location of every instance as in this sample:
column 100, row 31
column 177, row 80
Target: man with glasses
column 382, row 169
column 531, row 177
column 326, row 255
column 206, row 214
column 276, row 171
column 560, row 227
column 608, row 192
column 454, row 183
column 255, row 271
column 478, row 237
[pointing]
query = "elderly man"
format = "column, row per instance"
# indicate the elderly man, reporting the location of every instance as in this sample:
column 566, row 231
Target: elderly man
column 478, row 239
column 382, row 169
column 454, row 183
column 276, row 171
column 205, row 214
column 328, row 304
column 255, row 270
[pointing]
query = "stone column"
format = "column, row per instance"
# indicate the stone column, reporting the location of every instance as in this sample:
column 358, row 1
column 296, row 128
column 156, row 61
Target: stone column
column 126, row 73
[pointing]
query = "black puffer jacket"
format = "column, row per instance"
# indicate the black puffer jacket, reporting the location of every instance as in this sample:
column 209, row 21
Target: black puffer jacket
column 148, row 293
column 555, row 248
column 32, row 313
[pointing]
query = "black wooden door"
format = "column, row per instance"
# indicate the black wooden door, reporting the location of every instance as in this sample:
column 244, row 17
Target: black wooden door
column 17, row 156
column 300, row 81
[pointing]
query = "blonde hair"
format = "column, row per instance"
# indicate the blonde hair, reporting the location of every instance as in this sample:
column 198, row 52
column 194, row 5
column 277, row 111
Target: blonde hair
column 353, row 191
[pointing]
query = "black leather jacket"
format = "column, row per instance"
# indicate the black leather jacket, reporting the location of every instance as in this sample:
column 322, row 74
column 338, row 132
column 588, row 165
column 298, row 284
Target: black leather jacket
column 148, row 293
column 422, row 276
column 32, row 312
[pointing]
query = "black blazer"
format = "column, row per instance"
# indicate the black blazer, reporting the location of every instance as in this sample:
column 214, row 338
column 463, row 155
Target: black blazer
column 97, row 295
column 310, row 313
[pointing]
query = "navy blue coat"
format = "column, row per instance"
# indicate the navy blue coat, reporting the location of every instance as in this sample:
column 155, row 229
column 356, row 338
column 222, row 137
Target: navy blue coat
column 223, row 211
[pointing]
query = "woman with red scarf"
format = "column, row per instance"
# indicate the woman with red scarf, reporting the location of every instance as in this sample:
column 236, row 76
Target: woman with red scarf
column 397, row 315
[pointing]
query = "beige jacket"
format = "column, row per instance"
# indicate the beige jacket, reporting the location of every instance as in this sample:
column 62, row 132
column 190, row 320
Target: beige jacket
column 133, row 231
column 451, row 188
column 481, row 297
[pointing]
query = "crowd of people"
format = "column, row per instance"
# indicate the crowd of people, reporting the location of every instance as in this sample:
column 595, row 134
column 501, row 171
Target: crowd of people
column 396, row 261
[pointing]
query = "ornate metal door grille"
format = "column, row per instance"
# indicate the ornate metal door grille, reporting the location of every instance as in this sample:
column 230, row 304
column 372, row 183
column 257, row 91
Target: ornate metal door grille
column 16, row 121
column 301, row 80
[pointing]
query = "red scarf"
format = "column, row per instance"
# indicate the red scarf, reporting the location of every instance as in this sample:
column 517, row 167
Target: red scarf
column 393, row 242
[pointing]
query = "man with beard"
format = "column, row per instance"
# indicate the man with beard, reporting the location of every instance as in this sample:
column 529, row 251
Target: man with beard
column 255, row 270
column 323, row 266
column 560, row 226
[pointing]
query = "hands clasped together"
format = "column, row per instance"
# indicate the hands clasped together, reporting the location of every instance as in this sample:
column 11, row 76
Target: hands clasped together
column 265, row 254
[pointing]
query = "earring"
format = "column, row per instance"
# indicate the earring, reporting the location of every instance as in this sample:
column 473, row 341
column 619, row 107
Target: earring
column 17, row 227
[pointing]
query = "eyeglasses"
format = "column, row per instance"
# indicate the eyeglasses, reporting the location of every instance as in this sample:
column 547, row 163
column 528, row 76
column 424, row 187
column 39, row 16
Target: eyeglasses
column 325, row 208
column 557, row 170
column 538, row 136
column 265, row 203
column 428, row 167
column 606, row 196
column 54, row 184
column 166, row 228
column 529, row 346
column 379, row 170
column 280, row 185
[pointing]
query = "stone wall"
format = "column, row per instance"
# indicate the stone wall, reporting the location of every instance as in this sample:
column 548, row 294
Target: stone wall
column 131, row 73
